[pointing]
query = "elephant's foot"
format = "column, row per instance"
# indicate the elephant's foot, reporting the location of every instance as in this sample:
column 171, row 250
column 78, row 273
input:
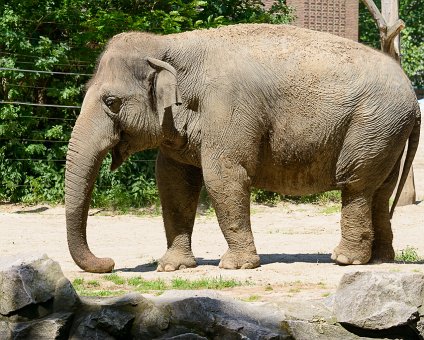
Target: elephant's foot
column 175, row 260
column 348, row 253
column 239, row 260
column 382, row 253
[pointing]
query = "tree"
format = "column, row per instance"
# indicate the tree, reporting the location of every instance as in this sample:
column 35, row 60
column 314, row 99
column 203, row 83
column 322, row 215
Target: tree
column 411, row 44
column 58, row 41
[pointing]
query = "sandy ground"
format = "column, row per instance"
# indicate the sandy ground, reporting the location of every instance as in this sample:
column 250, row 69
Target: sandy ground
column 294, row 242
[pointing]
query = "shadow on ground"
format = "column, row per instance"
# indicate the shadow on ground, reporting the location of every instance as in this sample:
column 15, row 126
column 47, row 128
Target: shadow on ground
column 265, row 259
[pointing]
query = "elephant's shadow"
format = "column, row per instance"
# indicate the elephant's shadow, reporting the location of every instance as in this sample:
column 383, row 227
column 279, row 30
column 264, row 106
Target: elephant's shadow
column 265, row 259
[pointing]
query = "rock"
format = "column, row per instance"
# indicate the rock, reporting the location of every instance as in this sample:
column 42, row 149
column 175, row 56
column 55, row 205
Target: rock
column 318, row 330
column 117, row 317
column 311, row 319
column 65, row 296
column 5, row 331
column 54, row 326
column 211, row 315
column 106, row 323
column 187, row 336
column 27, row 281
column 379, row 300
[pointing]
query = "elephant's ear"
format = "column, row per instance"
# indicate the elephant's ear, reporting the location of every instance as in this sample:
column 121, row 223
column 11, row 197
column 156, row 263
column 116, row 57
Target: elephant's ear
column 166, row 87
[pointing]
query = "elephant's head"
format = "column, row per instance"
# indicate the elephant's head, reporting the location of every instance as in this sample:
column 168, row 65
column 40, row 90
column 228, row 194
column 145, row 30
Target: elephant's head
column 123, row 111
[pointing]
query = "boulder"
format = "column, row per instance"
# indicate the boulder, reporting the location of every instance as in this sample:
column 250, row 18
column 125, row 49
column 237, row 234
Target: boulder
column 379, row 300
column 211, row 315
column 54, row 326
column 123, row 317
column 30, row 280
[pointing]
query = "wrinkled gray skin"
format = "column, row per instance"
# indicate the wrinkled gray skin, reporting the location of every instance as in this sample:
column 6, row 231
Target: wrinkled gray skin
column 274, row 107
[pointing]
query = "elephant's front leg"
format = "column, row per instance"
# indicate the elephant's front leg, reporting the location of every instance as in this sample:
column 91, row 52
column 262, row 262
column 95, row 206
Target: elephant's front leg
column 228, row 185
column 179, row 187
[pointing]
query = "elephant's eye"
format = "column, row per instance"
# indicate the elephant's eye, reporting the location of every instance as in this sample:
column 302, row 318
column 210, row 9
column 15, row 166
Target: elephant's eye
column 113, row 103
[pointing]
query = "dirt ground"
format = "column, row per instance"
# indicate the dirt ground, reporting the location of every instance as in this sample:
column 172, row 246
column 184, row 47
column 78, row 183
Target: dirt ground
column 294, row 242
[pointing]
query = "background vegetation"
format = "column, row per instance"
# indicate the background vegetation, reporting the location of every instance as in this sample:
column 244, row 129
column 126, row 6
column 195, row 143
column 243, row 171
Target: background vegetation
column 48, row 49
column 66, row 36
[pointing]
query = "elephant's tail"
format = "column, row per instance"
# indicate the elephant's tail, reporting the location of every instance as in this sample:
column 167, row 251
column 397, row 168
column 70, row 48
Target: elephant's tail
column 413, row 140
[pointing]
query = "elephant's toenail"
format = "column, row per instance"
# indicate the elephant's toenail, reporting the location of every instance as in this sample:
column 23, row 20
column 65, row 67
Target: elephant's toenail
column 169, row 268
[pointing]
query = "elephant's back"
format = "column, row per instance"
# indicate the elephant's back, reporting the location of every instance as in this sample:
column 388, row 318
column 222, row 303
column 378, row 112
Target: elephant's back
column 266, row 42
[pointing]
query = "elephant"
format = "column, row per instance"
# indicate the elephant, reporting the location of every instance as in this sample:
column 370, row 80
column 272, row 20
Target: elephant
column 276, row 107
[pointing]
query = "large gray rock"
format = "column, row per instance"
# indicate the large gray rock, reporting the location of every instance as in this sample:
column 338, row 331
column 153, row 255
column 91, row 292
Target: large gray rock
column 124, row 317
column 54, row 326
column 209, row 314
column 379, row 300
column 30, row 280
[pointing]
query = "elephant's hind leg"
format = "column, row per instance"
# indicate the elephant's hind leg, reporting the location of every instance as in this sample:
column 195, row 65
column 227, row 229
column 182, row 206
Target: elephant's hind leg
column 179, row 188
column 382, row 250
column 357, row 231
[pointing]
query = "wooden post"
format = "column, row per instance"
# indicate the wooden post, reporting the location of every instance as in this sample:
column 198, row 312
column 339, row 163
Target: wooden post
column 389, row 27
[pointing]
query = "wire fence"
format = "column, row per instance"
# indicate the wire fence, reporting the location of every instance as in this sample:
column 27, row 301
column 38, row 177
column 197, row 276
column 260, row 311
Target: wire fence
column 44, row 72
column 41, row 105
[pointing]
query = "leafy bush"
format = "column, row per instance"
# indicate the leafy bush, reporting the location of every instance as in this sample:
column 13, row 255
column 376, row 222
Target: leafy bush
column 66, row 37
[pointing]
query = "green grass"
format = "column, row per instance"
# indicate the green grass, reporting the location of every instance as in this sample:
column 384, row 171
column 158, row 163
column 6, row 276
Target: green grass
column 93, row 283
column 409, row 254
column 206, row 283
column 268, row 288
column 251, row 298
column 331, row 209
column 156, row 286
column 115, row 278
column 144, row 286
column 85, row 288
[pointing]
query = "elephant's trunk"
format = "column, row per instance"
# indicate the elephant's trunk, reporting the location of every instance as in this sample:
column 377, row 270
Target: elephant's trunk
column 91, row 139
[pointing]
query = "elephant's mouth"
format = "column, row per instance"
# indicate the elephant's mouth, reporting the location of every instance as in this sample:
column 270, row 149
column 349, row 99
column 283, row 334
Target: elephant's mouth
column 120, row 152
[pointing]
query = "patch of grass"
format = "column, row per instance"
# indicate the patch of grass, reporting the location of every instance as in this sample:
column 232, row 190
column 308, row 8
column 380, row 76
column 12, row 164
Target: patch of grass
column 104, row 293
column 85, row 288
column 294, row 290
column 268, row 288
column 157, row 286
column 206, row 283
column 182, row 284
column 322, row 198
column 409, row 254
column 251, row 298
column 93, row 283
column 266, row 197
column 78, row 282
column 331, row 209
column 327, row 294
column 143, row 285
column 115, row 278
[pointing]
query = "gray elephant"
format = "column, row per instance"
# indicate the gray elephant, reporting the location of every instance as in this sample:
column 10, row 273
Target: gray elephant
column 269, row 106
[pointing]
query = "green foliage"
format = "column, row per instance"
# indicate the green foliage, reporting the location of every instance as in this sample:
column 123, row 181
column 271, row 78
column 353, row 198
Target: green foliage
column 67, row 36
column 272, row 198
column 156, row 286
column 412, row 42
column 409, row 254
column 115, row 278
